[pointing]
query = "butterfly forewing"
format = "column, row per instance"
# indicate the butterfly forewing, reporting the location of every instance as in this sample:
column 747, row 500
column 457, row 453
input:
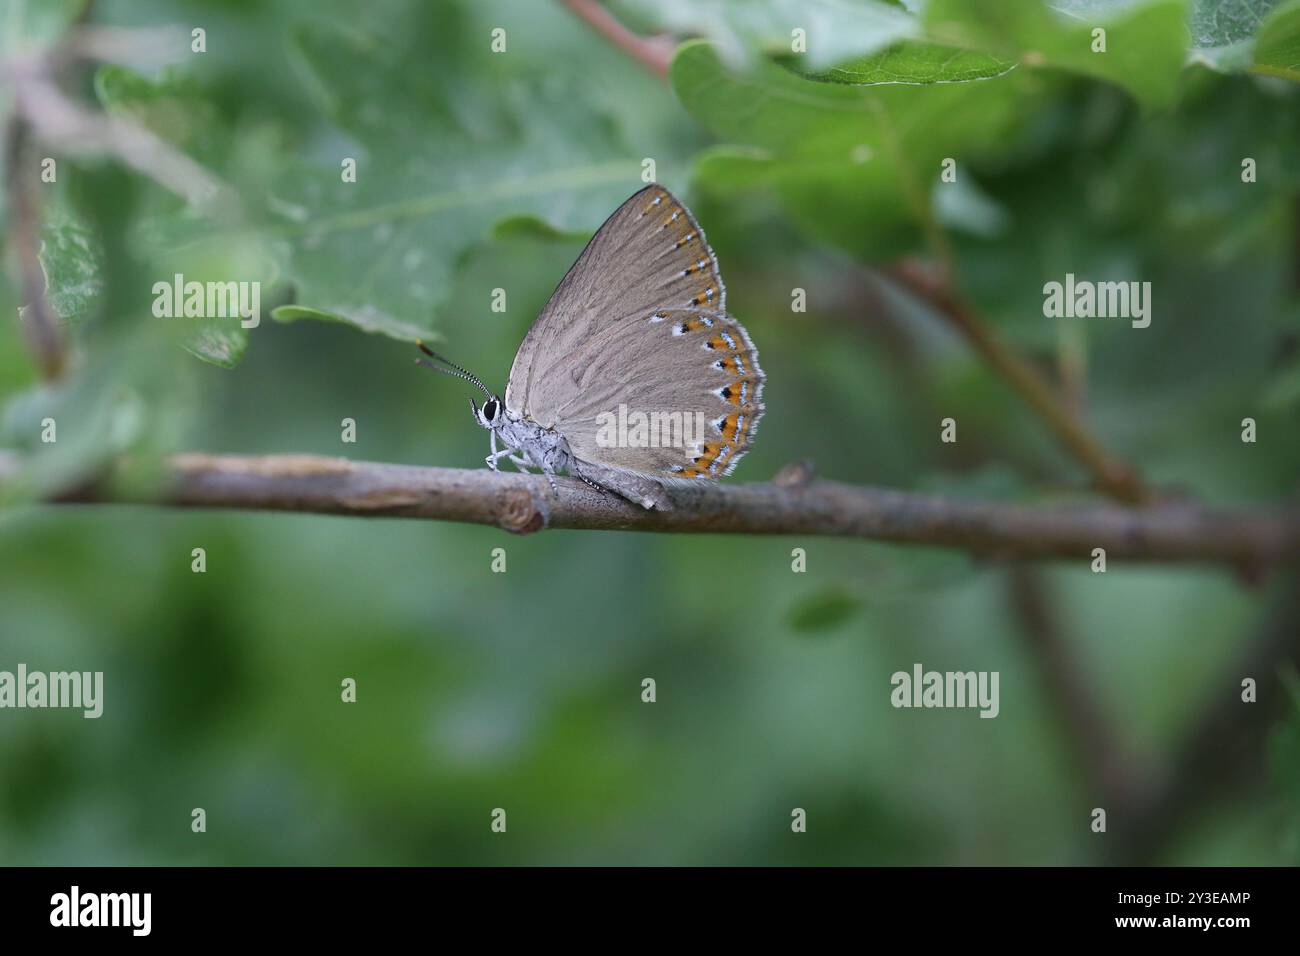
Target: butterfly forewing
column 649, row 255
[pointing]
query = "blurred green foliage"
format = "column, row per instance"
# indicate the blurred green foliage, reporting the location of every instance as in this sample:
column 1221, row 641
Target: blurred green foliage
column 479, row 171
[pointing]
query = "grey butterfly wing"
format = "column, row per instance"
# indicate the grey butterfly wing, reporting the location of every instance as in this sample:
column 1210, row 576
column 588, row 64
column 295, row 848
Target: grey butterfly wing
column 669, row 393
column 650, row 254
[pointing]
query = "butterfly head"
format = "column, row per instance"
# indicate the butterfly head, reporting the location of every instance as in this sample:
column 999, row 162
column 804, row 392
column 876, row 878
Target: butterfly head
column 492, row 414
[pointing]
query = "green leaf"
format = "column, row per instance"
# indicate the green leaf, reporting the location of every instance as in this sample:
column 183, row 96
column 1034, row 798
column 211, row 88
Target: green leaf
column 27, row 24
column 362, row 318
column 530, row 227
column 173, row 106
column 1277, row 49
column 1283, row 389
column 832, row 41
column 834, row 31
column 823, row 611
column 218, row 342
column 1284, row 763
column 172, row 240
column 1223, row 32
column 1222, row 23
column 962, row 207
column 854, row 165
column 1145, row 42
column 72, row 261
column 128, row 397
column 919, row 63
column 434, row 172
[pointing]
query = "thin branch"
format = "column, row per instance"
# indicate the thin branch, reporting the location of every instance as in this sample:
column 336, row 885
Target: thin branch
column 43, row 116
column 62, row 124
column 654, row 53
column 1111, row 776
column 1110, row 474
column 22, row 185
column 1223, row 749
column 866, row 300
column 792, row 504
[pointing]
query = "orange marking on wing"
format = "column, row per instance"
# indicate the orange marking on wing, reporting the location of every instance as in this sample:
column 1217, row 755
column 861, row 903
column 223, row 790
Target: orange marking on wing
column 739, row 393
column 706, row 456
column 729, row 426
column 675, row 214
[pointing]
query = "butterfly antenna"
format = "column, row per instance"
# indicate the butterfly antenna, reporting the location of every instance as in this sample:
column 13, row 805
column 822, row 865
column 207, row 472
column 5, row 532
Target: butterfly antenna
column 455, row 369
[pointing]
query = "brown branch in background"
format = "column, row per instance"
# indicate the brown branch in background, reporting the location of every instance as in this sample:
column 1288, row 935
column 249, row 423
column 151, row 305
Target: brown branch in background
column 1072, row 369
column 867, row 301
column 22, row 184
column 43, row 116
column 1110, row 776
column 655, row 53
column 1224, row 748
column 793, row 504
column 1111, row 475
column 62, row 124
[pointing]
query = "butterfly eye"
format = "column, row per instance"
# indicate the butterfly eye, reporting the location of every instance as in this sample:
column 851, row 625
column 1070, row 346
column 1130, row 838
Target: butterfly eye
column 490, row 410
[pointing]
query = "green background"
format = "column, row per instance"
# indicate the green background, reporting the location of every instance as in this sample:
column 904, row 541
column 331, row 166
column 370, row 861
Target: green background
column 522, row 690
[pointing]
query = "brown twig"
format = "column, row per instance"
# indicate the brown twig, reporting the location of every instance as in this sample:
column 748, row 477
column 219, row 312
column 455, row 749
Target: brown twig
column 655, row 53
column 1110, row 474
column 1111, row 778
column 40, row 325
column 43, row 116
column 1169, row 531
column 61, row 123
column 1224, row 746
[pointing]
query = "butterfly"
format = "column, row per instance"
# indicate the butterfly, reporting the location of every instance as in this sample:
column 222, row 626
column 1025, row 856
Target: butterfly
column 633, row 376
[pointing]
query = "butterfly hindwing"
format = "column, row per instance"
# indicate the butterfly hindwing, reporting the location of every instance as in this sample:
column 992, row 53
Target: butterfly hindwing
column 650, row 254
column 669, row 393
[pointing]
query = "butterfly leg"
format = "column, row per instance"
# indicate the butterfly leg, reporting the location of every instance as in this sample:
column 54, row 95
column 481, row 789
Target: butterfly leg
column 523, row 460
column 491, row 459
column 550, row 477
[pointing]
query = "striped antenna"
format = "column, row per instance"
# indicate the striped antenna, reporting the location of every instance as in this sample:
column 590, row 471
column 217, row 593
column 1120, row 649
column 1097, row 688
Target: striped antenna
column 454, row 369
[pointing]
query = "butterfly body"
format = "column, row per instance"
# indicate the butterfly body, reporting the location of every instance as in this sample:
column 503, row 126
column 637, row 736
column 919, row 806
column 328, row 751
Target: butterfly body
column 526, row 442
column 633, row 376
column 530, row 444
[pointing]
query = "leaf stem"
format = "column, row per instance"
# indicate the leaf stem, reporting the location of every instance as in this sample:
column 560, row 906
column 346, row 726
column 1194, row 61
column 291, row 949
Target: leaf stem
column 1109, row 474
column 39, row 324
column 654, row 53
